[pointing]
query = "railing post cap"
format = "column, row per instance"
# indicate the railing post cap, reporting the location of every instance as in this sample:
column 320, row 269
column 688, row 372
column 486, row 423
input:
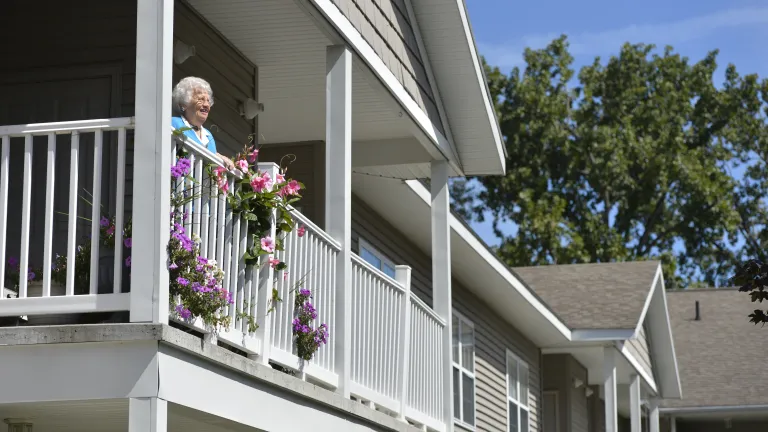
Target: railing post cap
column 403, row 267
column 264, row 166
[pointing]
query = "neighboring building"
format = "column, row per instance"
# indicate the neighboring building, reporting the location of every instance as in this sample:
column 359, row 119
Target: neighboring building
column 721, row 363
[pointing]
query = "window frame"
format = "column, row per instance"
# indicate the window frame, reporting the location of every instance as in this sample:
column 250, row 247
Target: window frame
column 364, row 244
column 520, row 407
column 459, row 418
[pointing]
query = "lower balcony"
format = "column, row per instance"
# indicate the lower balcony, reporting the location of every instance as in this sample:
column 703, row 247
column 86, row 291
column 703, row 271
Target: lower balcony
column 72, row 183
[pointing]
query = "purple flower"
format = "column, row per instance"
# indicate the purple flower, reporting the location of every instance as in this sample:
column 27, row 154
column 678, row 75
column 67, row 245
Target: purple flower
column 104, row 222
column 128, row 242
column 13, row 262
column 128, row 261
column 202, row 260
column 183, row 312
column 304, row 292
column 182, row 281
column 173, row 266
column 31, row 275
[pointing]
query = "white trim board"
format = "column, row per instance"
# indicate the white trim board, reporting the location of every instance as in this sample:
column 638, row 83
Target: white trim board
column 445, row 148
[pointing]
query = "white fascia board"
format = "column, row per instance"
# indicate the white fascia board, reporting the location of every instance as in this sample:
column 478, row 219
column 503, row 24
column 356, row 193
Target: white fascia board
column 467, row 236
column 649, row 381
column 662, row 293
column 601, row 335
column 490, row 109
column 714, row 409
column 657, row 277
column 368, row 54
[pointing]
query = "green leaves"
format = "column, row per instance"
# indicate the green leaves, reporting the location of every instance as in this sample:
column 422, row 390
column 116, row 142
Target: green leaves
column 630, row 159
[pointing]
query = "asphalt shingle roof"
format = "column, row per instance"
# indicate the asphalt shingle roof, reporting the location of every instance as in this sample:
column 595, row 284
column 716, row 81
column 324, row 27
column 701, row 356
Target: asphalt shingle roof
column 593, row 296
column 721, row 358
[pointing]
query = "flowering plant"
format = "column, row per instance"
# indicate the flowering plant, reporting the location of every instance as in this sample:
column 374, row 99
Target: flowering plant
column 196, row 283
column 308, row 340
column 255, row 195
column 13, row 274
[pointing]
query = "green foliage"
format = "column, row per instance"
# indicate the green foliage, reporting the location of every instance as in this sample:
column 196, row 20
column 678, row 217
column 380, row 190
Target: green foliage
column 752, row 277
column 626, row 159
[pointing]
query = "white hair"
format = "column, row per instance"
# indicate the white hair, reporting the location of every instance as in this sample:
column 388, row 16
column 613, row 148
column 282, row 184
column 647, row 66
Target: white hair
column 184, row 90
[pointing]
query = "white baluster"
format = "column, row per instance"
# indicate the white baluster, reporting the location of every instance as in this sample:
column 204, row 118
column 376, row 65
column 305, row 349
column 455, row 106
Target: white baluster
column 48, row 229
column 119, row 211
column 4, row 166
column 25, row 215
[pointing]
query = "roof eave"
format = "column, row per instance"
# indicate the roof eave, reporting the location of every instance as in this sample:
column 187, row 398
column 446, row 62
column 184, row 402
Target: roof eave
column 449, row 20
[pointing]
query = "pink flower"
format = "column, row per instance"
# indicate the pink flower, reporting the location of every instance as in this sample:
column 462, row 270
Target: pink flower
column 111, row 230
column 242, row 165
column 128, row 261
column 223, row 185
column 292, row 188
column 252, row 156
column 285, row 275
column 268, row 244
column 301, row 231
column 262, row 182
column 274, row 262
column 280, row 178
column 219, row 172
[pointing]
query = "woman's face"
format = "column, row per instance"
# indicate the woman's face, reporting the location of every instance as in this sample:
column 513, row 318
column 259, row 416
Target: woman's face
column 196, row 112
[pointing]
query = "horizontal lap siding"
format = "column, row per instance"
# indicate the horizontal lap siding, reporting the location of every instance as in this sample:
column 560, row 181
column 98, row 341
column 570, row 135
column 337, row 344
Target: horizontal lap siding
column 493, row 335
column 387, row 27
column 638, row 347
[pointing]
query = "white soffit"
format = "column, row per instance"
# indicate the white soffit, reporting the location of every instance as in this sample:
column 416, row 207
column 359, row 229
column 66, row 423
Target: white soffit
column 455, row 62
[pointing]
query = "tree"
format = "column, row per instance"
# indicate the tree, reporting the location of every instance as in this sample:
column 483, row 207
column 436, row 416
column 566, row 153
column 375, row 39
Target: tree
column 632, row 159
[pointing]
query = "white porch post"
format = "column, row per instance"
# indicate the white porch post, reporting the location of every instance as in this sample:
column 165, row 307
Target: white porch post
column 609, row 386
column 653, row 417
column 403, row 277
column 672, row 424
column 338, row 196
column 635, row 404
column 147, row 415
column 152, row 161
column 441, row 276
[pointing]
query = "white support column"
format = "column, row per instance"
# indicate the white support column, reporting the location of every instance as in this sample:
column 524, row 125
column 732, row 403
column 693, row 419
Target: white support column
column 152, row 161
column 338, row 197
column 635, row 404
column 441, row 276
column 403, row 277
column 147, row 415
column 609, row 386
column 653, row 416
column 672, row 424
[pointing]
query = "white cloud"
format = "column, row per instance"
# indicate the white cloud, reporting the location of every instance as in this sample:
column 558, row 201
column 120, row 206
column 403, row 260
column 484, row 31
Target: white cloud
column 607, row 41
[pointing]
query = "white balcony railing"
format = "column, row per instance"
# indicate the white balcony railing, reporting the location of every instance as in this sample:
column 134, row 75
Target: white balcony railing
column 396, row 342
column 311, row 264
column 86, row 139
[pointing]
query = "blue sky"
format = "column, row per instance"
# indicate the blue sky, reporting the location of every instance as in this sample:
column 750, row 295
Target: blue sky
column 738, row 28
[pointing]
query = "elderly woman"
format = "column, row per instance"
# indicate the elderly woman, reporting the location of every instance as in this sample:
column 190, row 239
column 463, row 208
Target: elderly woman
column 193, row 99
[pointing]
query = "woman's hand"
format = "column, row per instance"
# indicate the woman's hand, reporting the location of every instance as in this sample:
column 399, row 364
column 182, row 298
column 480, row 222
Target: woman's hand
column 228, row 164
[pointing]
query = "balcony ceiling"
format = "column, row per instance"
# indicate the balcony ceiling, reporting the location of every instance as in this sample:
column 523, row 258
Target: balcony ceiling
column 289, row 50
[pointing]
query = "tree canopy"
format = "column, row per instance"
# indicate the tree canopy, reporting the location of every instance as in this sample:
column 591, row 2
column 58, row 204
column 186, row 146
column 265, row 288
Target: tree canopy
column 638, row 157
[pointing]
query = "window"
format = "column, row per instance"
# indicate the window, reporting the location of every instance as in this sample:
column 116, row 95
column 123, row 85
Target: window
column 463, row 370
column 376, row 259
column 517, row 394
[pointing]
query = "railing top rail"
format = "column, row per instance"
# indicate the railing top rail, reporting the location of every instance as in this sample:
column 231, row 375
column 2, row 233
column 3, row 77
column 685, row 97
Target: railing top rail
column 376, row 272
column 420, row 303
column 316, row 229
column 67, row 127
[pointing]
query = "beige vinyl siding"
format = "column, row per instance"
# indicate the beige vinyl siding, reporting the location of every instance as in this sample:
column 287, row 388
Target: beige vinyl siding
column 638, row 347
column 387, row 27
column 231, row 75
